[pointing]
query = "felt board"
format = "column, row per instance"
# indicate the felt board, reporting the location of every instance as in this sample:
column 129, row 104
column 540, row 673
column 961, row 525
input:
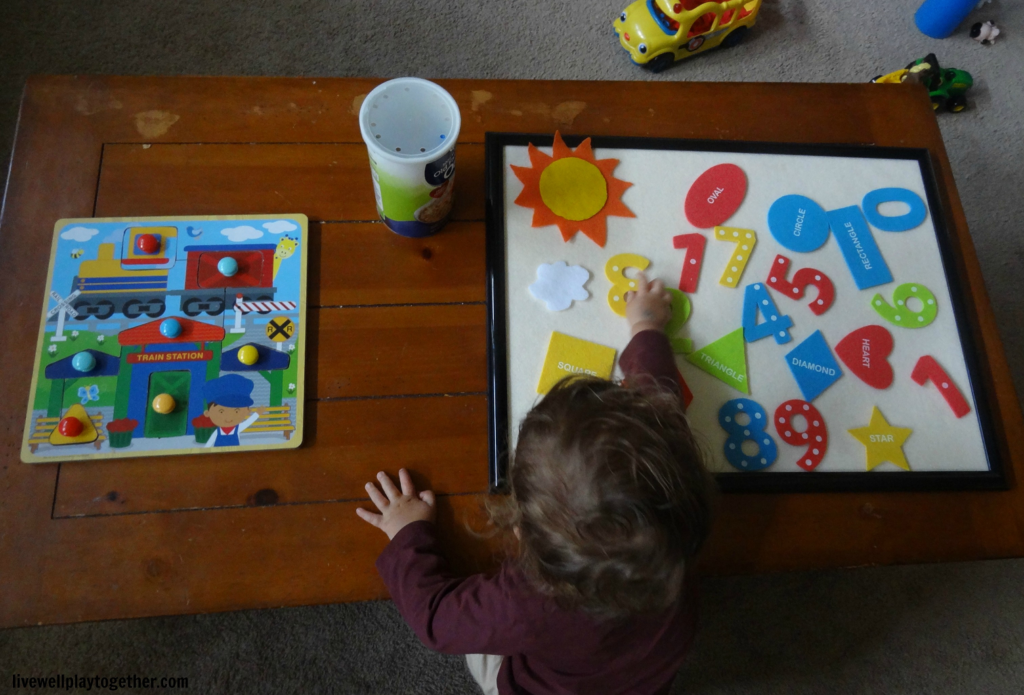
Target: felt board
column 861, row 332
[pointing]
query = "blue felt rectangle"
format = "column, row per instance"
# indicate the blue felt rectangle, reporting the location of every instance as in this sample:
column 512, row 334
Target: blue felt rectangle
column 860, row 251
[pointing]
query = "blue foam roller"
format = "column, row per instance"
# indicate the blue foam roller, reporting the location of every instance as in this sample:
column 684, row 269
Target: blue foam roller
column 940, row 18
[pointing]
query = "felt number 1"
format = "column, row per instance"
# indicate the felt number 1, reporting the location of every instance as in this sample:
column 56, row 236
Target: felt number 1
column 693, row 244
column 680, row 315
column 928, row 369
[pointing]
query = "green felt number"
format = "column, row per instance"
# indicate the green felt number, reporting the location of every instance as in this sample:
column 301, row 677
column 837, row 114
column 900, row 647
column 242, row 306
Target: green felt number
column 901, row 314
column 680, row 315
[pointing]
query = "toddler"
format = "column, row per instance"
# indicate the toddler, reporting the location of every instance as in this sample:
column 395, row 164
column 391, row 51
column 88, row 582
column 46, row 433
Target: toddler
column 609, row 503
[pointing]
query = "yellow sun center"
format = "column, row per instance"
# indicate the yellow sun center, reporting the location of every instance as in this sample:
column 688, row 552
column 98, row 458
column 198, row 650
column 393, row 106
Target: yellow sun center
column 573, row 188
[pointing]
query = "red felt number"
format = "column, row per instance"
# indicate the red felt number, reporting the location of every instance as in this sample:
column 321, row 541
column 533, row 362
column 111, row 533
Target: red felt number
column 803, row 277
column 815, row 437
column 928, row 369
column 694, row 246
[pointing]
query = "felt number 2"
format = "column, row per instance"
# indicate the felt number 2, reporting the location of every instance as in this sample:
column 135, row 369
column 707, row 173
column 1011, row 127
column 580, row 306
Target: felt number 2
column 901, row 314
column 753, row 431
column 680, row 315
column 928, row 369
column 614, row 271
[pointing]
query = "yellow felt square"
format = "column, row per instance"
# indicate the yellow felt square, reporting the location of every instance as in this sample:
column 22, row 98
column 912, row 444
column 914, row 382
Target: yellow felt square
column 568, row 355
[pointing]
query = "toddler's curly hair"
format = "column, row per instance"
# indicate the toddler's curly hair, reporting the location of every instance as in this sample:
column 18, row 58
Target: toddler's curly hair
column 609, row 496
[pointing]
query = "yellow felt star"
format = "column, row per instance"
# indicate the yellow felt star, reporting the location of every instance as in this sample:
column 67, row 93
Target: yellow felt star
column 883, row 441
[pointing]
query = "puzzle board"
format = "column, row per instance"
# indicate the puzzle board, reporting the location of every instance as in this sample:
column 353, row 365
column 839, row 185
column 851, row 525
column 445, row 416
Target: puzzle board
column 164, row 335
column 850, row 346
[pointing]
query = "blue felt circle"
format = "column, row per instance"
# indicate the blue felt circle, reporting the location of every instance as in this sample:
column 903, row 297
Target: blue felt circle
column 894, row 223
column 798, row 223
column 227, row 266
column 170, row 328
column 767, row 450
column 83, row 362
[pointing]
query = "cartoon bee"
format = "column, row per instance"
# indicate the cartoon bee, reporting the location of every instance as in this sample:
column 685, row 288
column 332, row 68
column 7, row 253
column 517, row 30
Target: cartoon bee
column 77, row 253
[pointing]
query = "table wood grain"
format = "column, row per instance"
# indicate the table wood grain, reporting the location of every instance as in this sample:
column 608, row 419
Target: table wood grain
column 397, row 371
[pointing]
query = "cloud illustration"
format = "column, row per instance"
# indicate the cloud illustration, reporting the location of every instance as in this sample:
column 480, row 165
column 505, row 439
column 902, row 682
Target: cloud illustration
column 243, row 233
column 558, row 284
column 280, row 226
column 114, row 237
column 79, row 233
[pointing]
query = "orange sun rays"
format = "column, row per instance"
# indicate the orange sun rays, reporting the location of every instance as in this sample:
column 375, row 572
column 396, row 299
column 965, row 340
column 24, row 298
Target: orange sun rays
column 595, row 227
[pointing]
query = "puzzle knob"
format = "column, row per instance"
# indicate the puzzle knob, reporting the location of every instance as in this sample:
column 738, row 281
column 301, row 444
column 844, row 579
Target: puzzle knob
column 164, row 403
column 83, row 362
column 147, row 244
column 70, row 427
column 227, row 266
column 170, row 328
column 248, row 355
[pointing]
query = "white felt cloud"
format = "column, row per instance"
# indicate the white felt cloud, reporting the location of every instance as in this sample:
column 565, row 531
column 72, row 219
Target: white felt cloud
column 558, row 284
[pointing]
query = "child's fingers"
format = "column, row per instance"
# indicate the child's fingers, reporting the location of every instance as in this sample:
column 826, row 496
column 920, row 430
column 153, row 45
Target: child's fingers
column 369, row 517
column 642, row 282
column 376, row 497
column 407, row 487
column 388, row 486
column 657, row 287
column 428, row 497
column 629, row 296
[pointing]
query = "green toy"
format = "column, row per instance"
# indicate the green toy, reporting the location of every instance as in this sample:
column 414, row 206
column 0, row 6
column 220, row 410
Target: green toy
column 946, row 87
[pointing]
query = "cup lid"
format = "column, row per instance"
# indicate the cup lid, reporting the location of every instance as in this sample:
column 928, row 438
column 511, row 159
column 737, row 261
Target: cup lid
column 409, row 119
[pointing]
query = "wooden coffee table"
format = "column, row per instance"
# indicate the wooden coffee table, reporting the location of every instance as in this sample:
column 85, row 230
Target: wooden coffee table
column 397, row 363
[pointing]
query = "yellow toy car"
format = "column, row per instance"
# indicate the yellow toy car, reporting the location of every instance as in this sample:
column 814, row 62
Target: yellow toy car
column 656, row 33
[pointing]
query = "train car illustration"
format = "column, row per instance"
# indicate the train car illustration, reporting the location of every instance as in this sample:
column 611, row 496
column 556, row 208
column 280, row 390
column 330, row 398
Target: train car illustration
column 136, row 283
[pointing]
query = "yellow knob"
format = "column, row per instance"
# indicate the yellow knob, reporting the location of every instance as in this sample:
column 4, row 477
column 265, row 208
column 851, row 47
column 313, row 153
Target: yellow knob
column 164, row 403
column 248, row 355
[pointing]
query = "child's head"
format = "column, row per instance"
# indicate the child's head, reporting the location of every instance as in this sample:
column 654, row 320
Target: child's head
column 610, row 496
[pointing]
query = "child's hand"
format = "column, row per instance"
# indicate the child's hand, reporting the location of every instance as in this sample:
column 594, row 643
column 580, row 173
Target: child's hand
column 399, row 508
column 649, row 307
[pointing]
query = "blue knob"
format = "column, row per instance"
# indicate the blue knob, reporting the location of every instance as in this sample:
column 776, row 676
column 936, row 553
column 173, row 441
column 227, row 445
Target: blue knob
column 83, row 362
column 227, row 266
column 170, row 328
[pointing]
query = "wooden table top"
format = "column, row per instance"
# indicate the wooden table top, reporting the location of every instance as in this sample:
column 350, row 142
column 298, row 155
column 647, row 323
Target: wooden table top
column 397, row 370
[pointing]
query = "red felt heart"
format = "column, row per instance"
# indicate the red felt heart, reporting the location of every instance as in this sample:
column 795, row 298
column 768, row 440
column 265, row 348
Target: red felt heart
column 865, row 353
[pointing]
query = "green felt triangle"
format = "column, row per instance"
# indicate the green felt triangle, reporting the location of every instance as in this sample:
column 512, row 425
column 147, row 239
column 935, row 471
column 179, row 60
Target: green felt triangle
column 725, row 359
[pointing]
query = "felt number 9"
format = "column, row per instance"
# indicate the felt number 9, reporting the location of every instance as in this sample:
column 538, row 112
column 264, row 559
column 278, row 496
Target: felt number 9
column 752, row 431
column 901, row 314
column 815, row 437
column 680, row 315
column 614, row 271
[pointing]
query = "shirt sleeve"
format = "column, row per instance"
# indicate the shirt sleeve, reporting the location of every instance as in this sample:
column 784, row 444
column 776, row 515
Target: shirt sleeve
column 648, row 360
column 244, row 425
column 478, row 614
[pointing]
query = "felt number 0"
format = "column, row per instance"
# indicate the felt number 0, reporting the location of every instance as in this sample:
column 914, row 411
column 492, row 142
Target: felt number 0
column 801, row 280
column 928, row 369
column 614, row 271
column 901, row 314
column 815, row 437
column 693, row 244
column 680, row 315
column 753, row 431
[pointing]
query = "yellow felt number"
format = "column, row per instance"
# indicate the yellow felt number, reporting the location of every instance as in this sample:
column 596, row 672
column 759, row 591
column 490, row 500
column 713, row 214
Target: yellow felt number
column 614, row 271
column 745, row 240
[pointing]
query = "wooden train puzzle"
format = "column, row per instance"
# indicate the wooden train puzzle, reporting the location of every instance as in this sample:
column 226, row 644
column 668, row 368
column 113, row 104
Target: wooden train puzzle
column 168, row 336
column 821, row 333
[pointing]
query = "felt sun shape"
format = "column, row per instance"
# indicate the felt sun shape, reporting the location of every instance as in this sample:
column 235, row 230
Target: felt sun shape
column 572, row 190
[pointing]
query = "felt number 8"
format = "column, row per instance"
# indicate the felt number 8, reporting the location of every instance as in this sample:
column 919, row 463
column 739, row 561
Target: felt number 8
column 815, row 437
column 752, row 431
column 901, row 314
column 614, row 271
column 680, row 315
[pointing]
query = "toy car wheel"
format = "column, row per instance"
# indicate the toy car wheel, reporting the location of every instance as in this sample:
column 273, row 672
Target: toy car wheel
column 131, row 309
column 735, row 37
column 938, row 103
column 660, row 63
column 191, row 307
column 957, row 104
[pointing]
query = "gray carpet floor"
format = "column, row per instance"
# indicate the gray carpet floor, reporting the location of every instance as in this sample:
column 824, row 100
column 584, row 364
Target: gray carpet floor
column 928, row 629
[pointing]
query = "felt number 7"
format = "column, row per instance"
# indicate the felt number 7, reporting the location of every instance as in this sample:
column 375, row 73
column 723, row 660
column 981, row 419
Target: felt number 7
column 928, row 369
column 680, row 315
column 798, row 287
column 693, row 244
column 745, row 239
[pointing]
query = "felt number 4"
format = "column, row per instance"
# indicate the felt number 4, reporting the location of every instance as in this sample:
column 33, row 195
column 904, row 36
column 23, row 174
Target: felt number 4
column 928, row 369
column 693, row 244
column 757, row 300
column 801, row 280
column 680, row 315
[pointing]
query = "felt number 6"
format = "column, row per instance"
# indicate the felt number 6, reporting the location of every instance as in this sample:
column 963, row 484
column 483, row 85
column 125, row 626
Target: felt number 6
column 902, row 314
column 752, row 431
column 614, row 271
column 680, row 315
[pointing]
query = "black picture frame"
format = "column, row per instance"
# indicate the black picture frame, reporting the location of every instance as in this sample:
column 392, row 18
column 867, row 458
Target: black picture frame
column 981, row 382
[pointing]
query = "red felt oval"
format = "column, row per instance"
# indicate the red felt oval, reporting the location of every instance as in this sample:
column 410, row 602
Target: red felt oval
column 715, row 196
column 865, row 351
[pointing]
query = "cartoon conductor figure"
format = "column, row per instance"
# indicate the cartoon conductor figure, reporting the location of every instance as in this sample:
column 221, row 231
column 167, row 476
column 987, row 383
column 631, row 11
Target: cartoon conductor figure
column 229, row 407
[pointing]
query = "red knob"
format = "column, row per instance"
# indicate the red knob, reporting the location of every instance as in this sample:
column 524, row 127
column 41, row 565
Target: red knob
column 147, row 243
column 70, row 427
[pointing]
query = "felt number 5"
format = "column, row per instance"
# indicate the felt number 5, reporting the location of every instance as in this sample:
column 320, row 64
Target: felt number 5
column 902, row 314
column 680, row 315
column 614, row 270
column 801, row 280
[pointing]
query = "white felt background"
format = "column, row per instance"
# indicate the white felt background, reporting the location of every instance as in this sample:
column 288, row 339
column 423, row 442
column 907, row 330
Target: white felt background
column 660, row 180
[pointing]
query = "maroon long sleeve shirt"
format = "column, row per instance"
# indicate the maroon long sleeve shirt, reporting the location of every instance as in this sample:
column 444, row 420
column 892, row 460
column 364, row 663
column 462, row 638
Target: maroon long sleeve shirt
column 547, row 650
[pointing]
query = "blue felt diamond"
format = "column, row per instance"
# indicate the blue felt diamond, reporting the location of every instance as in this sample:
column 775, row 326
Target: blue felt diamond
column 813, row 366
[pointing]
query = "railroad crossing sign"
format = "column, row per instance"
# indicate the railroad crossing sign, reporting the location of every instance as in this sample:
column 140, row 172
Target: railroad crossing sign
column 244, row 307
column 280, row 329
column 62, row 309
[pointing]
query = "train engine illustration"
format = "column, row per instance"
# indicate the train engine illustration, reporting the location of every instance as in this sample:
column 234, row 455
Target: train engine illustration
column 137, row 283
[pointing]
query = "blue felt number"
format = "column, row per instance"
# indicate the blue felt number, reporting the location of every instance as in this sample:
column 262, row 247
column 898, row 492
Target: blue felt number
column 894, row 223
column 757, row 299
column 753, row 431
